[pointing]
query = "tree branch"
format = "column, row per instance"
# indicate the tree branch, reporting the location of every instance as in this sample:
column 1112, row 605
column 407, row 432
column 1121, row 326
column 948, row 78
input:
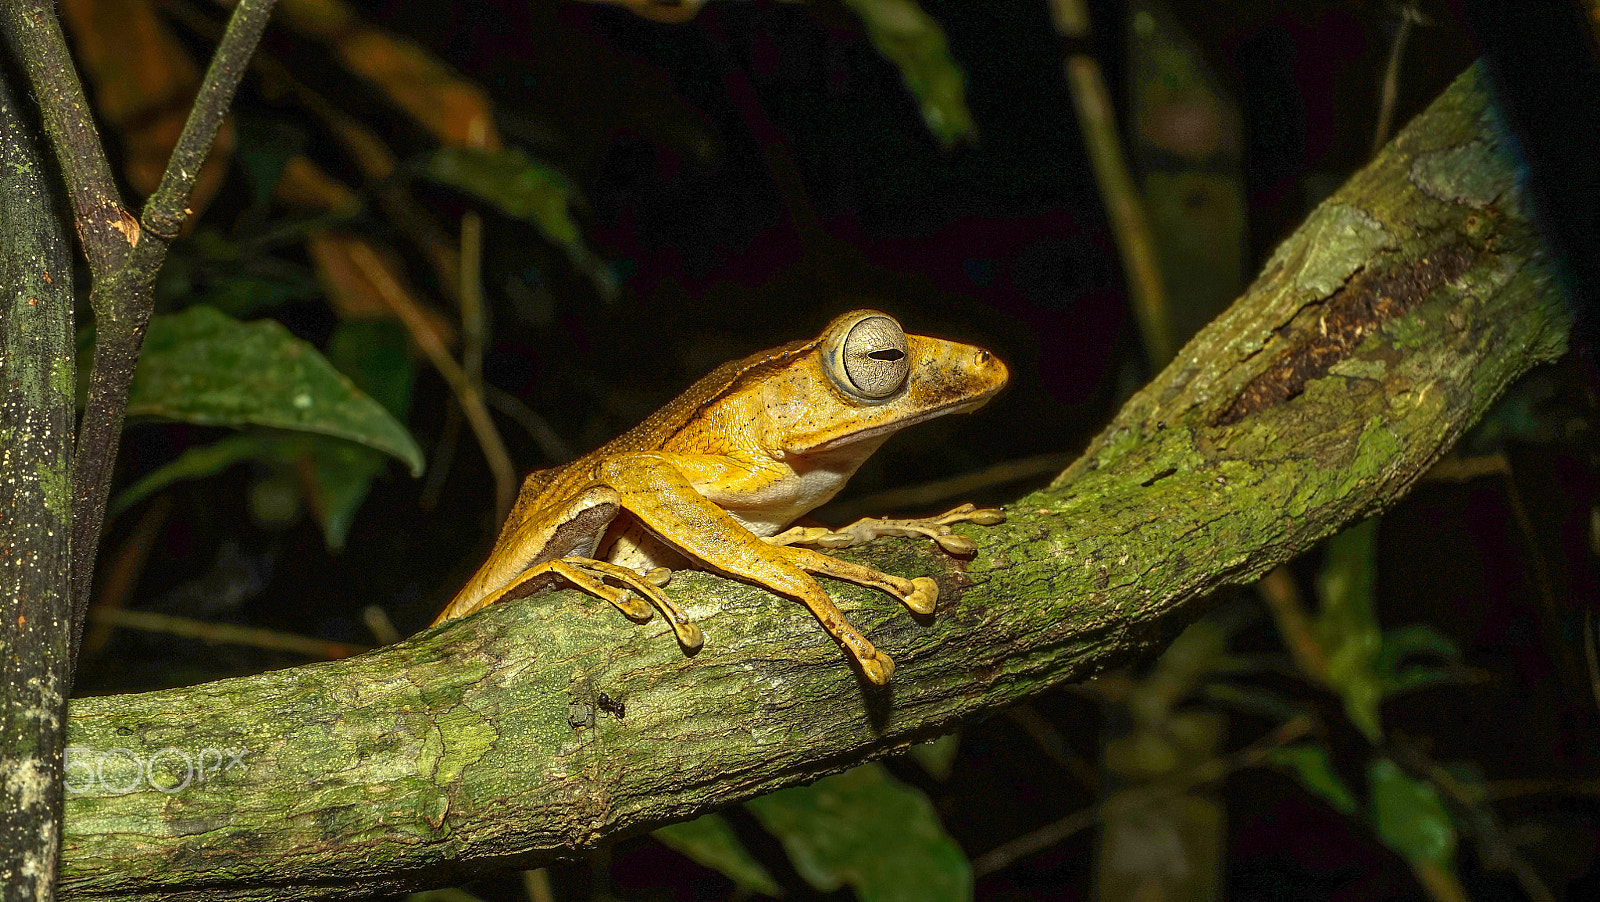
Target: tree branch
column 36, row 385
column 166, row 209
column 122, row 297
column 1377, row 333
column 104, row 226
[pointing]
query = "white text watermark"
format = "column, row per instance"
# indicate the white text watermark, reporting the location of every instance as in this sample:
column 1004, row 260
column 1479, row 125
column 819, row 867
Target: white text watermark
column 169, row 770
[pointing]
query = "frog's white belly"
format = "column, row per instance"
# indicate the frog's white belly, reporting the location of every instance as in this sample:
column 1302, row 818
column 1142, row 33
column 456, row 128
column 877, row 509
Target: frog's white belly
column 792, row 490
column 800, row 486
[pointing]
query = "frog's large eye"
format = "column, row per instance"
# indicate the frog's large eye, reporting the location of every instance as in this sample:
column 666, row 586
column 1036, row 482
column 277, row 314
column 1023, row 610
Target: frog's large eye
column 872, row 359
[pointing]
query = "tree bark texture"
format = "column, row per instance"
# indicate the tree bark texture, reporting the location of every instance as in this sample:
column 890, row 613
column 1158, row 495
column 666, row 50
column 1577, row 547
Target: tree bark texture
column 36, row 385
column 1377, row 333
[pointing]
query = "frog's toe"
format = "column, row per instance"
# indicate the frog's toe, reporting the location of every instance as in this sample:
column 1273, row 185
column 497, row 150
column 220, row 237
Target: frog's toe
column 955, row 544
column 632, row 606
column 878, row 668
column 924, row 595
column 689, row 635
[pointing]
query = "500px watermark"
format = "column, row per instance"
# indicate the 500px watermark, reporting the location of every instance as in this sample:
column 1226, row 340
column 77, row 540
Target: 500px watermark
column 169, row 770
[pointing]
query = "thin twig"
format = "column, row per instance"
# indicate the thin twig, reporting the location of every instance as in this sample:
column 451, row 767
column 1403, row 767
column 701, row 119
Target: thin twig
column 1455, row 468
column 1138, row 797
column 123, row 568
column 1288, row 609
column 554, row 448
column 473, row 325
column 472, row 406
column 1055, row 746
column 379, row 624
column 1409, row 17
column 233, row 634
column 1125, row 209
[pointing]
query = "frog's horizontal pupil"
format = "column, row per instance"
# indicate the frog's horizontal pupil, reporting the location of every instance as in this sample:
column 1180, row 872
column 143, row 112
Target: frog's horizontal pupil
column 872, row 359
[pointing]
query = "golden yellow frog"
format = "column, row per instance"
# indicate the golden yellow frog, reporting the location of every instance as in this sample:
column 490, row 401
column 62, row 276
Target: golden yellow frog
column 713, row 479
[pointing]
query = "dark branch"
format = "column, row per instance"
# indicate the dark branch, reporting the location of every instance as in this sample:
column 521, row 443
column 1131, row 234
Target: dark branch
column 104, row 226
column 36, row 383
column 122, row 299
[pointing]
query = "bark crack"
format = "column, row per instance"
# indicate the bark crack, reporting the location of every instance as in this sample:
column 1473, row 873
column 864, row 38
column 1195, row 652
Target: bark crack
column 1369, row 299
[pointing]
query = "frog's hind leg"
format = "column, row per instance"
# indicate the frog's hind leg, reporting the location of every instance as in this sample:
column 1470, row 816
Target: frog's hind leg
column 586, row 573
column 590, row 575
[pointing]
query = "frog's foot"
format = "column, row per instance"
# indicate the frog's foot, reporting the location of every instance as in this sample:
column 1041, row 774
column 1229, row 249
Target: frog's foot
column 877, row 669
column 868, row 528
column 920, row 594
column 589, row 575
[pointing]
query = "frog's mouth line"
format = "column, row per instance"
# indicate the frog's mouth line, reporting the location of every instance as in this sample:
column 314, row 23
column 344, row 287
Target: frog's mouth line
column 962, row 406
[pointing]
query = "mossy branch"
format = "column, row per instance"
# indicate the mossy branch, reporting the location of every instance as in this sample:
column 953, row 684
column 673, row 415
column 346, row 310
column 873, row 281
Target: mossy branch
column 1383, row 328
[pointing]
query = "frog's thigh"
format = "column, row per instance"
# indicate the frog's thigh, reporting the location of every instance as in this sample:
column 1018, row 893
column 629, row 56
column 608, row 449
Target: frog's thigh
column 665, row 502
column 919, row 594
column 520, row 561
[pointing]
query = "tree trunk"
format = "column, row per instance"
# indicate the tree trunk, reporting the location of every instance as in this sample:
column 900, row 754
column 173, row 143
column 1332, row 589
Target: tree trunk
column 1377, row 333
column 36, row 384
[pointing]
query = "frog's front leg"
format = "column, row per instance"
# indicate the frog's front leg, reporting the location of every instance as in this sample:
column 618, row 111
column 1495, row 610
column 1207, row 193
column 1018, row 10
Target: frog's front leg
column 920, row 593
column 868, row 528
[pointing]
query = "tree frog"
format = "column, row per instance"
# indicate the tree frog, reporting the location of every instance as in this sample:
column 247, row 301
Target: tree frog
column 713, row 480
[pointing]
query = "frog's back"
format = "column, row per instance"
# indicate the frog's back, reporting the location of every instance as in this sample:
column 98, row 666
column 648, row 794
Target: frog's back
column 677, row 416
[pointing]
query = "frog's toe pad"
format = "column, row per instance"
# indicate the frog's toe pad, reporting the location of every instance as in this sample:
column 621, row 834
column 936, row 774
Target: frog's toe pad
column 632, row 606
column 955, row 544
column 877, row 669
column 689, row 635
column 924, row 595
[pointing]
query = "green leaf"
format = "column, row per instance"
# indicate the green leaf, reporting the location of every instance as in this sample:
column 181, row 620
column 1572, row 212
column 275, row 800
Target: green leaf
column 238, row 278
column 915, row 43
column 196, row 463
column 522, row 187
column 1400, row 645
column 867, row 829
column 342, row 475
column 377, row 358
column 1347, row 625
column 710, row 840
column 1311, row 765
column 938, row 757
column 200, row 366
column 1418, row 639
column 1410, row 818
column 248, row 292
column 265, row 147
